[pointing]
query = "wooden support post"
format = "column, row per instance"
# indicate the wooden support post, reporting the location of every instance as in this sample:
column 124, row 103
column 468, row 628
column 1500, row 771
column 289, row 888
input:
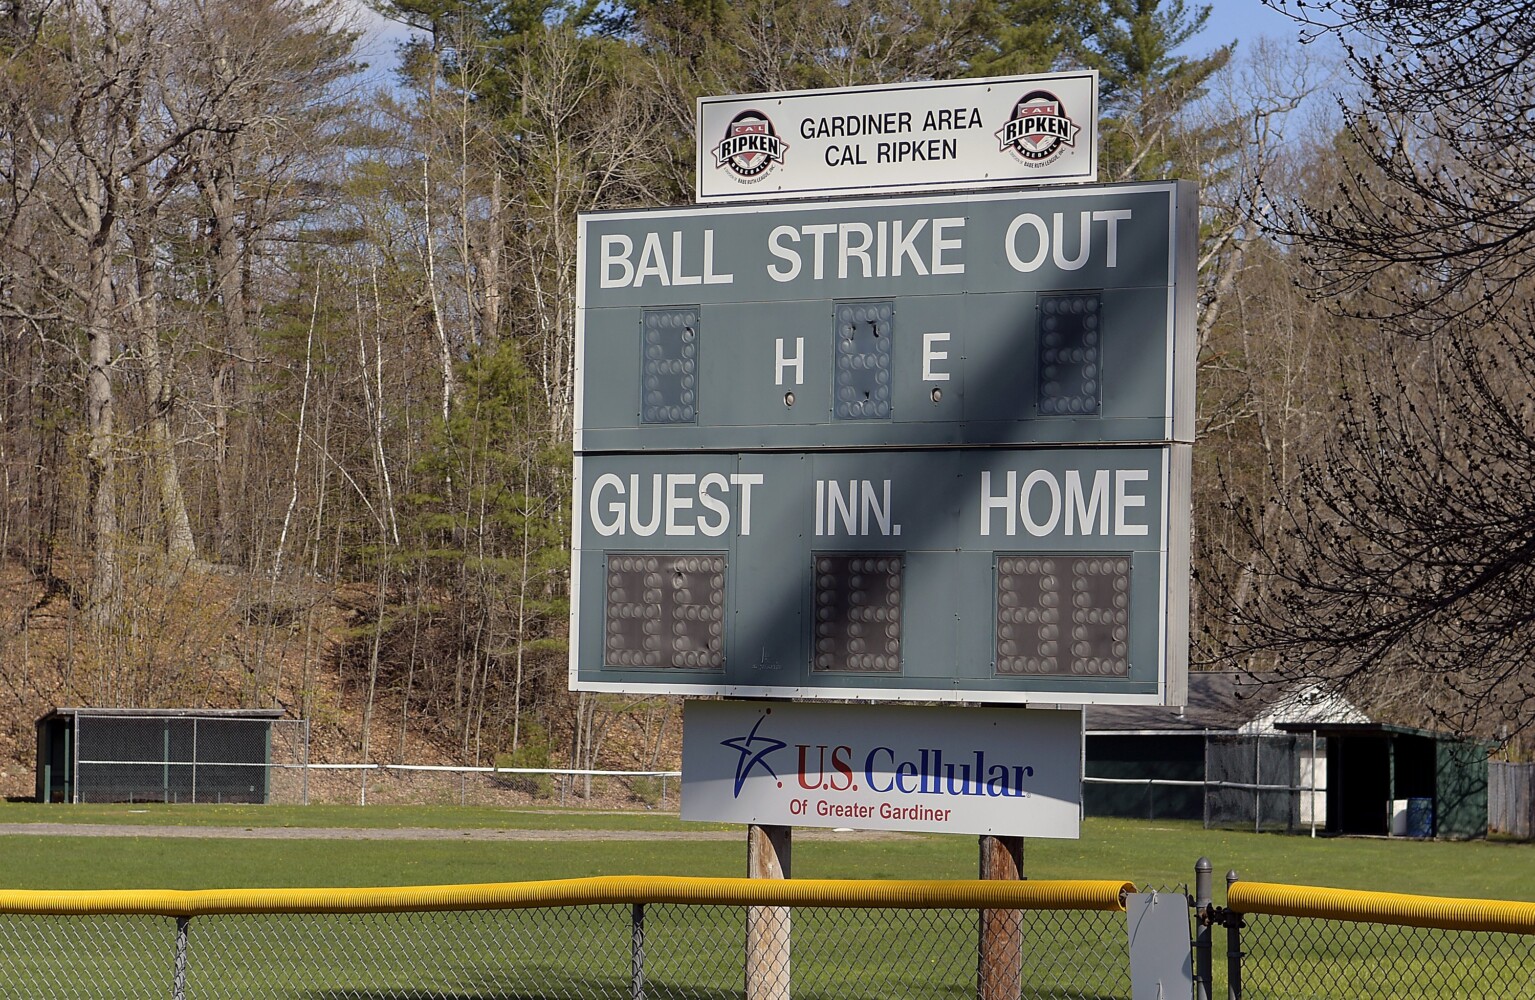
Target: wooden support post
column 999, row 968
column 767, row 927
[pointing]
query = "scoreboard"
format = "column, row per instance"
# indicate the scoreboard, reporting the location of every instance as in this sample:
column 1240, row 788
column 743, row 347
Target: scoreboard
column 923, row 448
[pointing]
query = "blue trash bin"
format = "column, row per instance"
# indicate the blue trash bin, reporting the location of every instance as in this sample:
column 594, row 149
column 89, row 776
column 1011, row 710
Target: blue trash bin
column 1420, row 818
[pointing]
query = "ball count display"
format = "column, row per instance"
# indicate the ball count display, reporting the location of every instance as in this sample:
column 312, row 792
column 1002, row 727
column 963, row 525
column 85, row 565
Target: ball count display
column 671, row 342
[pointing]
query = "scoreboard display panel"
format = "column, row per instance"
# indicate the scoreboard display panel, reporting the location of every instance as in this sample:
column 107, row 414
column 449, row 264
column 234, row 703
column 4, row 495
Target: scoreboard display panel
column 1024, row 318
column 1055, row 575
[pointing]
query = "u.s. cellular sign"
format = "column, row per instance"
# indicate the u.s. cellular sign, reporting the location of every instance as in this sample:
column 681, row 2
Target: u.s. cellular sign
column 908, row 449
column 935, row 770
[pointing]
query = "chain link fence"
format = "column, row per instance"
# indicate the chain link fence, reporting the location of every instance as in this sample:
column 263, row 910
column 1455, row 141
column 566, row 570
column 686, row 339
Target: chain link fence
column 1297, row 959
column 1254, row 783
column 1307, row 943
column 857, row 940
column 120, row 756
column 418, row 784
column 289, row 774
column 711, row 939
column 1245, row 782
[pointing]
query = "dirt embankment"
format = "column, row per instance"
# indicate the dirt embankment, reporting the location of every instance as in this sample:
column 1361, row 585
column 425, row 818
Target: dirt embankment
column 218, row 640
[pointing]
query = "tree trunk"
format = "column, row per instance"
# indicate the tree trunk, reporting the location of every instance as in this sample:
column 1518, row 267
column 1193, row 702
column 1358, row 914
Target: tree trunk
column 100, row 458
column 229, row 387
column 180, row 546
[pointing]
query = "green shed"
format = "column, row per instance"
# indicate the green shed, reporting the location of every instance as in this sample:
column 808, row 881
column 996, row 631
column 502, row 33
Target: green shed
column 155, row 755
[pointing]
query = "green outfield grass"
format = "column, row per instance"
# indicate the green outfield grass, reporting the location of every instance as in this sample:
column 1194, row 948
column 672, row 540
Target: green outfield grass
column 1149, row 853
column 572, row 951
column 383, row 817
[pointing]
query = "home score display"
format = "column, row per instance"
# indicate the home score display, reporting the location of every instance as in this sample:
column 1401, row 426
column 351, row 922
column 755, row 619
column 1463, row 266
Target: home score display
column 901, row 448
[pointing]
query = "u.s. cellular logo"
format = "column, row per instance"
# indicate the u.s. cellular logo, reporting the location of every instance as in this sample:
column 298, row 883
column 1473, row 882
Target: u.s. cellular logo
column 751, row 147
column 882, row 770
column 1039, row 130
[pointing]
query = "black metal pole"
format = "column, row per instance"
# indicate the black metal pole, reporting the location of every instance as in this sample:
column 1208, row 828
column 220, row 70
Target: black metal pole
column 179, row 974
column 1204, row 963
column 637, row 952
column 1233, row 948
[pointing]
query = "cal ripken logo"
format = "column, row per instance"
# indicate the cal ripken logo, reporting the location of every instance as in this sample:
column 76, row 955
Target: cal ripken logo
column 751, row 147
column 1039, row 131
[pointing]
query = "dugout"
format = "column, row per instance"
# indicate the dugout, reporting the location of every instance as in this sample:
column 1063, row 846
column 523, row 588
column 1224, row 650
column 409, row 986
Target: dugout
column 155, row 755
column 1378, row 770
column 1148, row 761
column 1155, row 777
column 1206, row 759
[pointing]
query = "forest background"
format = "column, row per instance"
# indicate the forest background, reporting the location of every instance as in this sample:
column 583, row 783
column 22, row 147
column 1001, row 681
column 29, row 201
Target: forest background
column 286, row 355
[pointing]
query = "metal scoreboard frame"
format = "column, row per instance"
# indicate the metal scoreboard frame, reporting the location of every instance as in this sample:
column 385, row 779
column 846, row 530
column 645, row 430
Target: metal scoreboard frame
column 929, row 448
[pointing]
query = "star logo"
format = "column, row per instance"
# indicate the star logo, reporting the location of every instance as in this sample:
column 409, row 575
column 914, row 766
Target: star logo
column 753, row 750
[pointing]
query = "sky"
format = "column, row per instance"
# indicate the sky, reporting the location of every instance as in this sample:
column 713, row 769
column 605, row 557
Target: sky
column 1244, row 20
column 376, row 47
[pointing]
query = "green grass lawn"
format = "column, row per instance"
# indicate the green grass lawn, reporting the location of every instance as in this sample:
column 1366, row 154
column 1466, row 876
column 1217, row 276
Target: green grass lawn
column 1149, row 853
column 384, row 817
column 576, row 950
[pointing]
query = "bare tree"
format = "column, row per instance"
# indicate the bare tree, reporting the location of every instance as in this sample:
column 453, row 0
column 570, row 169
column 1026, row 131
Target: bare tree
column 1403, row 555
column 263, row 75
column 1433, row 231
column 584, row 143
column 82, row 115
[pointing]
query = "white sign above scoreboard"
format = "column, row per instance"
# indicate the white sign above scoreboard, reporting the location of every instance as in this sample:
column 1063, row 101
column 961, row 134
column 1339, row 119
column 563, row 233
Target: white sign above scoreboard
column 952, row 134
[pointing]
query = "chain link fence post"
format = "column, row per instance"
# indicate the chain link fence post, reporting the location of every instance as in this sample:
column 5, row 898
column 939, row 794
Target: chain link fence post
column 1204, row 963
column 306, row 762
column 179, row 976
column 73, row 753
column 1233, row 948
column 194, row 760
column 637, row 952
